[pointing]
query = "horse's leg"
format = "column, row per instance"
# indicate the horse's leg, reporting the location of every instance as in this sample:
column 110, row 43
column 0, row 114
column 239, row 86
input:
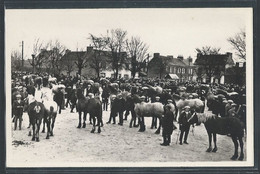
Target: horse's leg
column 33, row 128
column 210, row 139
column 37, row 130
column 126, row 114
column 159, row 128
column 152, row 126
column 155, row 122
column 84, row 119
column 215, row 142
column 79, row 126
column 48, row 128
column 94, row 125
column 141, row 124
column 99, row 120
column 52, row 125
column 234, row 139
column 43, row 128
column 241, row 148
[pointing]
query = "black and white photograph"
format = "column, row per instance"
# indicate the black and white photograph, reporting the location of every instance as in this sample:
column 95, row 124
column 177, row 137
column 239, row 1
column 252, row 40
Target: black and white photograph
column 129, row 87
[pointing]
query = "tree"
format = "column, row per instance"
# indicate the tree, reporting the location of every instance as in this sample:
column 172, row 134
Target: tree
column 81, row 60
column 57, row 50
column 115, row 40
column 97, row 56
column 136, row 50
column 239, row 43
column 207, row 50
column 68, row 66
column 16, row 60
column 39, row 55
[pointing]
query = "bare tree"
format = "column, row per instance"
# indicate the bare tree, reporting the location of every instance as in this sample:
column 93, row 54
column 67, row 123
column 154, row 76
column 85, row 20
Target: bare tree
column 115, row 40
column 137, row 50
column 207, row 50
column 81, row 60
column 97, row 56
column 16, row 60
column 39, row 55
column 239, row 43
column 57, row 50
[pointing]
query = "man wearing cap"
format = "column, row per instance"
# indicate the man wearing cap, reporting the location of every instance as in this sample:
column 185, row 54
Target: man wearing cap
column 184, row 125
column 18, row 111
column 228, row 106
column 232, row 110
column 167, row 125
column 112, row 109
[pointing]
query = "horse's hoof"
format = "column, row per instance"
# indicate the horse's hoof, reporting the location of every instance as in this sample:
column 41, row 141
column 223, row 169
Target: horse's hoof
column 47, row 137
column 51, row 134
column 241, row 158
column 92, row 131
column 37, row 140
column 151, row 128
column 234, row 157
column 33, row 139
column 79, row 126
column 101, row 125
column 136, row 125
column 43, row 131
column 84, row 126
column 157, row 132
column 99, row 131
column 209, row 150
column 90, row 122
column 215, row 150
column 130, row 126
column 29, row 134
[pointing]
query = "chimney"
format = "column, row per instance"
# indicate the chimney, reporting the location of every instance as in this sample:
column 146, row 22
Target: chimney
column 89, row 49
column 180, row 57
column 156, row 55
column 170, row 56
column 229, row 55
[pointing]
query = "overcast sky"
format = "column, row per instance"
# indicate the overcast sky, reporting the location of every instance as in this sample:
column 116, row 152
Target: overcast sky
column 167, row 31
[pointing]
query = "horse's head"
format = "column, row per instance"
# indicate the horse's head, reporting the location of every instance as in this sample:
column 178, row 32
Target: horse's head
column 193, row 119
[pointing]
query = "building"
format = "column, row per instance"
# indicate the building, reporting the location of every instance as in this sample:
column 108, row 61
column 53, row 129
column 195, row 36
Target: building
column 70, row 60
column 212, row 68
column 179, row 69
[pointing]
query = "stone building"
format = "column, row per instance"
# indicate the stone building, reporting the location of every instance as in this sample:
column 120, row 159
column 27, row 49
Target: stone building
column 179, row 69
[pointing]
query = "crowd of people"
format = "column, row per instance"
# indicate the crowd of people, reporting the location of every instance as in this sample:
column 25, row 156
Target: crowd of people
column 224, row 100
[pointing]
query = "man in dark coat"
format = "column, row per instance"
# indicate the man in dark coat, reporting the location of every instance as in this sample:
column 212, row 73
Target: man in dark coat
column 167, row 125
column 184, row 125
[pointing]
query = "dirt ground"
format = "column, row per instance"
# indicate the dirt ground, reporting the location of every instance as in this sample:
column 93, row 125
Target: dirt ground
column 115, row 143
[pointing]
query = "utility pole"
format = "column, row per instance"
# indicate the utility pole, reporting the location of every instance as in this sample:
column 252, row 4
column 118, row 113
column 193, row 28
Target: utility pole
column 22, row 57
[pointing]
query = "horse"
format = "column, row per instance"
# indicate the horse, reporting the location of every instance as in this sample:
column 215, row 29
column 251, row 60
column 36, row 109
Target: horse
column 51, row 109
column 195, row 104
column 149, row 110
column 81, row 106
column 36, row 113
column 94, row 108
column 129, row 106
column 223, row 126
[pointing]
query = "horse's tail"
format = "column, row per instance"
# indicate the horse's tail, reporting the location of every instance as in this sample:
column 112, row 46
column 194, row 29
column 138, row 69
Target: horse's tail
column 51, row 109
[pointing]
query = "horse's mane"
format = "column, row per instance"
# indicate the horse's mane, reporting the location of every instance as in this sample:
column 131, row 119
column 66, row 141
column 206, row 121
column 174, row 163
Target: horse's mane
column 204, row 117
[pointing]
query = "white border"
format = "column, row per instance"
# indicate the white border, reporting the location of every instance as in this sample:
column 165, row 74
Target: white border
column 250, row 122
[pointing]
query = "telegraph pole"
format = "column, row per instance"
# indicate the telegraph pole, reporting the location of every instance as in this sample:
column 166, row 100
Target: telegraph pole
column 22, row 57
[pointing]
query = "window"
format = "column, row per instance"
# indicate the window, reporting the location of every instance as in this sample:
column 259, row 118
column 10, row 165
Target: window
column 170, row 69
column 174, row 70
column 183, row 70
column 190, row 71
column 179, row 70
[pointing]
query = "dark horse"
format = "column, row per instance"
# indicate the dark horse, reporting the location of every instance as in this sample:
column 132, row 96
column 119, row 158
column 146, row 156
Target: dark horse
column 223, row 126
column 129, row 106
column 93, row 106
column 36, row 113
